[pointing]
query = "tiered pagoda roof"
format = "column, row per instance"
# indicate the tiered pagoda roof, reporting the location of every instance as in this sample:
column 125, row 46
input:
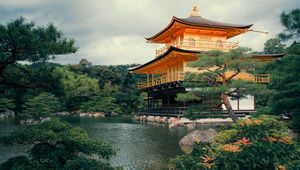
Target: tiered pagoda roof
column 230, row 30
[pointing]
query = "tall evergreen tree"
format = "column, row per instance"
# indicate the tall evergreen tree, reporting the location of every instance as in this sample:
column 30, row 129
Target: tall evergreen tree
column 286, row 83
column 291, row 23
column 274, row 46
column 24, row 41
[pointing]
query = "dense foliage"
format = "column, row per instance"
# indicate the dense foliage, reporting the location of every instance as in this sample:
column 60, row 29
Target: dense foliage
column 285, row 85
column 257, row 143
column 57, row 145
column 74, row 89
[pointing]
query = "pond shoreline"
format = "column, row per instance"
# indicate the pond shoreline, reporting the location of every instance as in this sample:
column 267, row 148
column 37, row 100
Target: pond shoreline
column 173, row 122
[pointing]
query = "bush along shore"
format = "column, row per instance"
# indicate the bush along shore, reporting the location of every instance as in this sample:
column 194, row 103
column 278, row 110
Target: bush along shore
column 257, row 143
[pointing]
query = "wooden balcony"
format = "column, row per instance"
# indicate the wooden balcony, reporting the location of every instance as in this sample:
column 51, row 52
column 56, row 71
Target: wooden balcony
column 199, row 45
column 261, row 78
column 179, row 76
column 160, row 80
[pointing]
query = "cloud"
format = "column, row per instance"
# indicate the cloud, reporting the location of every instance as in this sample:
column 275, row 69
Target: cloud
column 113, row 31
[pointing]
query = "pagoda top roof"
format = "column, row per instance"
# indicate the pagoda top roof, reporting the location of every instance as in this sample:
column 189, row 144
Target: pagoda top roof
column 199, row 21
column 196, row 21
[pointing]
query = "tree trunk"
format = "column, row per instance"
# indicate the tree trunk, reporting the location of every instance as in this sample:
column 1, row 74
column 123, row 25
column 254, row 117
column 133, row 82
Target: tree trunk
column 228, row 107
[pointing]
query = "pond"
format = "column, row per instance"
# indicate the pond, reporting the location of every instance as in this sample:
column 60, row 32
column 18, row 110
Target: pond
column 140, row 145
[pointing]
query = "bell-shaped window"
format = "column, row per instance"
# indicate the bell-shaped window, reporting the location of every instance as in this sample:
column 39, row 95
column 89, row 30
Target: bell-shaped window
column 192, row 42
column 219, row 44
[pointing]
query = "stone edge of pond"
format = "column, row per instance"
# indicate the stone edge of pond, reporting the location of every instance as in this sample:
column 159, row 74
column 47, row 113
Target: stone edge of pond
column 173, row 122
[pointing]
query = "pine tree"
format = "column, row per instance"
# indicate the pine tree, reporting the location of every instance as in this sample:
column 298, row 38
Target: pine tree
column 217, row 77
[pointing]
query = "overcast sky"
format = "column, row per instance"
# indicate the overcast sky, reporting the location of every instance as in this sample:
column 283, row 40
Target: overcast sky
column 113, row 31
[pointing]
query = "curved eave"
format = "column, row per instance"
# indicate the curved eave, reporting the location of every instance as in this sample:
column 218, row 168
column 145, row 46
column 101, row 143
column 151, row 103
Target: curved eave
column 181, row 21
column 259, row 56
column 171, row 49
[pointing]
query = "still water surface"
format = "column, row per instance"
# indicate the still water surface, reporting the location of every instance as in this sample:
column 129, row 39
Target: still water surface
column 141, row 146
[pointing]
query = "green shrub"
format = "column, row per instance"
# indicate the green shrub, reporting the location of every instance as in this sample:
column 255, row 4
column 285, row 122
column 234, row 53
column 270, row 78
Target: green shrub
column 45, row 104
column 101, row 104
column 6, row 104
column 258, row 143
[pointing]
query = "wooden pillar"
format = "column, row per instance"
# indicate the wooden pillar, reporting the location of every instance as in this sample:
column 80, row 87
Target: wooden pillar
column 152, row 79
column 172, row 73
column 238, row 104
column 168, row 74
column 168, row 100
column 147, row 80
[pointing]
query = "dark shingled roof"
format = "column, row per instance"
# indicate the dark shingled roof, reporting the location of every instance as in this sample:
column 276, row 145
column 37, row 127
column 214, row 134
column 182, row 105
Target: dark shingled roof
column 198, row 21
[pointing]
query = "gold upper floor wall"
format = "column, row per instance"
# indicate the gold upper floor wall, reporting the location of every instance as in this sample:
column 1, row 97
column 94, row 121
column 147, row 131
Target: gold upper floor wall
column 190, row 40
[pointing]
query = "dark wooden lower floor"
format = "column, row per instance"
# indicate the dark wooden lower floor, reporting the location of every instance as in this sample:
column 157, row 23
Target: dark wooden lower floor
column 179, row 112
column 161, row 101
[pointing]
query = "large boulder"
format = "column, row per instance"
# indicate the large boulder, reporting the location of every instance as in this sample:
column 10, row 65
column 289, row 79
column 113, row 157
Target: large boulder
column 97, row 114
column 187, row 142
column 150, row 118
column 158, row 119
column 7, row 114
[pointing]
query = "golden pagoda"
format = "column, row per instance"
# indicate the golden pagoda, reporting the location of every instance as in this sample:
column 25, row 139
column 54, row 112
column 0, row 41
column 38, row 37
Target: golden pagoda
column 183, row 40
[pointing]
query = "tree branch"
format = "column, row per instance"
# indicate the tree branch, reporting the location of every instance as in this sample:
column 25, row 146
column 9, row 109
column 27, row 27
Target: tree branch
column 8, row 61
column 232, row 76
column 24, row 70
column 234, row 91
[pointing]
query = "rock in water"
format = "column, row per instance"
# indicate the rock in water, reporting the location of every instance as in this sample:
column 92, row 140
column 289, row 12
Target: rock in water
column 187, row 142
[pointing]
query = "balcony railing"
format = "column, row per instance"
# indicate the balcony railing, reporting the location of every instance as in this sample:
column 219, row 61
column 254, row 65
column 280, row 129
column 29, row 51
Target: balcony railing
column 179, row 76
column 199, row 45
column 262, row 78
